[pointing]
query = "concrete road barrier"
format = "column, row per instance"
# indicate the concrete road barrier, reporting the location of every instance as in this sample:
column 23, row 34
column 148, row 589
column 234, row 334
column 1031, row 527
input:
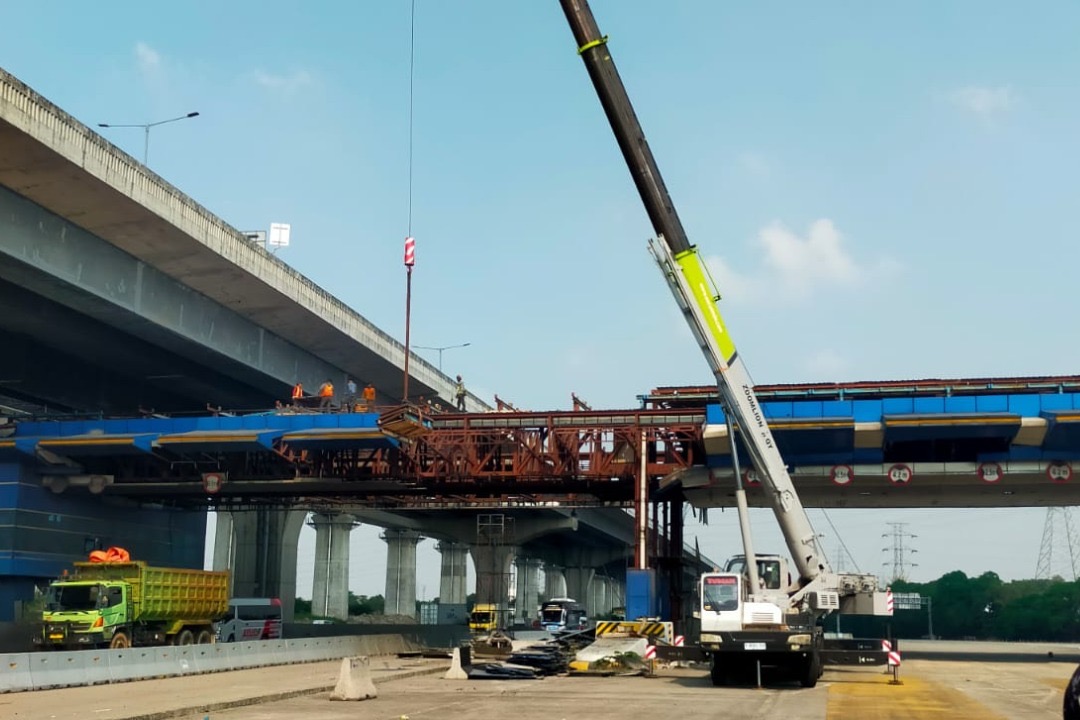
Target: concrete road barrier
column 47, row 669
column 354, row 680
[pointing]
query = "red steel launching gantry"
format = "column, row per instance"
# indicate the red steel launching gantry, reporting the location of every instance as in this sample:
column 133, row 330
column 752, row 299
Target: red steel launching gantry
column 582, row 457
column 540, row 454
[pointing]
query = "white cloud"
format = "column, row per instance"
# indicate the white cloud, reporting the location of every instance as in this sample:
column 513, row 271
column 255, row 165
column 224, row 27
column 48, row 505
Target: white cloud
column 819, row 257
column 147, row 58
column 728, row 280
column 794, row 267
column 985, row 102
column 287, row 83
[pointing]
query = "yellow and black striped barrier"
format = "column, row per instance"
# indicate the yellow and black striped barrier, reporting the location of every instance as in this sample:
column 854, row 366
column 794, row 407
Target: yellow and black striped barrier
column 642, row 628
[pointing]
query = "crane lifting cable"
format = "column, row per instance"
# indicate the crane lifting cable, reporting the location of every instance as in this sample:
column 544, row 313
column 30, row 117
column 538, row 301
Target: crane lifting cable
column 410, row 242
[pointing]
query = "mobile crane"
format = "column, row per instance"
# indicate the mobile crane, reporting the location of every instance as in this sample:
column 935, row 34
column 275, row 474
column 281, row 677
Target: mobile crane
column 750, row 614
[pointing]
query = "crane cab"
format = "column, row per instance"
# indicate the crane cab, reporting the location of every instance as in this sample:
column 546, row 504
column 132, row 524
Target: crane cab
column 772, row 570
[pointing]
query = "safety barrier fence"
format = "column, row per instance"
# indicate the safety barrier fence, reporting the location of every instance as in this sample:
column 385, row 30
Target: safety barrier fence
column 48, row 669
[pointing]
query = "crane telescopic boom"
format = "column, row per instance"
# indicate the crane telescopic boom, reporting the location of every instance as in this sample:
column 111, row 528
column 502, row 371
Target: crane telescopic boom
column 694, row 291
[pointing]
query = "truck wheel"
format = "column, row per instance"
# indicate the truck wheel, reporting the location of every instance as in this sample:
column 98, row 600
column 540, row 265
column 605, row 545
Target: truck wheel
column 718, row 673
column 186, row 637
column 205, row 638
column 810, row 671
column 120, row 640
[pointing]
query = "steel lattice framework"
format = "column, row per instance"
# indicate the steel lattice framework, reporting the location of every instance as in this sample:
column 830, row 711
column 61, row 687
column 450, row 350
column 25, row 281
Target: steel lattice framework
column 588, row 457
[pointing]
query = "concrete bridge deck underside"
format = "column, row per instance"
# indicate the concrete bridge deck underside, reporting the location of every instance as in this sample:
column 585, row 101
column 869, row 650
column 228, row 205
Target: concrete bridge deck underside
column 80, row 187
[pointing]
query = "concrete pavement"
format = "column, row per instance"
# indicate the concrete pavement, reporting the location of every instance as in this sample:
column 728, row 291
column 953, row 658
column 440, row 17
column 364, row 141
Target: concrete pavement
column 195, row 695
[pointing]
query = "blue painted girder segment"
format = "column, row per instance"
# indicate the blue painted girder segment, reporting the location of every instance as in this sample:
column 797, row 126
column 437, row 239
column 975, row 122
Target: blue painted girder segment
column 98, row 444
column 339, row 439
column 1062, row 430
column 950, row 426
column 17, row 448
column 248, row 440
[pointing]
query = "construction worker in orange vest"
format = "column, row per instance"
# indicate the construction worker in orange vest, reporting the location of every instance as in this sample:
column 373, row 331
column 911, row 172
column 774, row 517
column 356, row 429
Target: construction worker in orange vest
column 326, row 394
column 297, row 393
column 369, row 398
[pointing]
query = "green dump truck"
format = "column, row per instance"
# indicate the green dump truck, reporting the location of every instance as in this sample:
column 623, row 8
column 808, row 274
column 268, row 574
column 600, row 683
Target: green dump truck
column 121, row 604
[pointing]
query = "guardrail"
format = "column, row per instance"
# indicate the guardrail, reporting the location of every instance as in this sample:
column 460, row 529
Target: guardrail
column 43, row 670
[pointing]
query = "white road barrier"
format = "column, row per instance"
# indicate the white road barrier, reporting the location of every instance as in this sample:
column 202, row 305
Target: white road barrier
column 49, row 669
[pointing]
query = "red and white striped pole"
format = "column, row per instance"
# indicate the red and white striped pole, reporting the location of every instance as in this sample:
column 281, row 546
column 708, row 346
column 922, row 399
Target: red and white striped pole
column 410, row 260
column 892, row 661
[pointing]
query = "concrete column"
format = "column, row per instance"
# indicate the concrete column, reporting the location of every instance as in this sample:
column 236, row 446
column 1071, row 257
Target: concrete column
column 330, row 584
column 577, row 585
column 401, row 571
column 617, row 591
column 528, row 582
column 224, row 541
column 453, row 575
column 492, row 564
column 599, row 596
column 554, row 582
column 264, row 555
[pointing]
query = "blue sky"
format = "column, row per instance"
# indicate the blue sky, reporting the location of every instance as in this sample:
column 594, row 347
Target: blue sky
column 883, row 191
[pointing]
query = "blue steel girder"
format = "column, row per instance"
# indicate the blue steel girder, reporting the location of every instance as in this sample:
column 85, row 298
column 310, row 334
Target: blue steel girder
column 1062, row 431
column 984, row 455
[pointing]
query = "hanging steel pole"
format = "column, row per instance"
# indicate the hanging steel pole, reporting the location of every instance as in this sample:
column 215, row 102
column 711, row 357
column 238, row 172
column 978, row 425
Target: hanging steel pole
column 410, row 260
column 641, row 511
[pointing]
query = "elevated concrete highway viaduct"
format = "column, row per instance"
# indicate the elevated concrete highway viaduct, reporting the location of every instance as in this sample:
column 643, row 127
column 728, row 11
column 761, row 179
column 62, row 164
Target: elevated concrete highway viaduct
column 120, row 292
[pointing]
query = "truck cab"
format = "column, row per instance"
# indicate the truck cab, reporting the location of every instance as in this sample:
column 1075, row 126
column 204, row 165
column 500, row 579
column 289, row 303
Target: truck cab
column 83, row 614
column 484, row 618
column 772, row 570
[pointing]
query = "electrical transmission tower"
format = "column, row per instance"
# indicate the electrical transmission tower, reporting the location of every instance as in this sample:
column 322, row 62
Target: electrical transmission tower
column 899, row 562
column 1064, row 567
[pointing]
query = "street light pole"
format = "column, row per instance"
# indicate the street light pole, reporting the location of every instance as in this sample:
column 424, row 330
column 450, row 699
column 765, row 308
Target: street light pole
column 146, row 129
column 440, row 349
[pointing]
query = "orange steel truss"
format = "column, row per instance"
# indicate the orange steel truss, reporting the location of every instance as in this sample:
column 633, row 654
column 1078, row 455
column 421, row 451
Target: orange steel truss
column 592, row 452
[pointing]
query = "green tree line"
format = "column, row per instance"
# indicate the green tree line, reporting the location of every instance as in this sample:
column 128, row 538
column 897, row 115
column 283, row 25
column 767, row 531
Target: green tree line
column 980, row 608
column 358, row 605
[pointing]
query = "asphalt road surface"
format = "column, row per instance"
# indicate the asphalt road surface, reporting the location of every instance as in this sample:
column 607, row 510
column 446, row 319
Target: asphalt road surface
column 938, row 689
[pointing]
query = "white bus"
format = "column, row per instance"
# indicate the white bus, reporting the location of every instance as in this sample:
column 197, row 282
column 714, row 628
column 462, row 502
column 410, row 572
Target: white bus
column 251, row 619
column 559, row 614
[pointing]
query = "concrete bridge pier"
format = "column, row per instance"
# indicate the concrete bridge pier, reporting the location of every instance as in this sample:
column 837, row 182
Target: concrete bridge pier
column 330, row 584
column 577, row 586
column 554, row 581
column 492, row 564
column 224, row 541
column 598, row 597
column 453, row 573
column 528, row 586
column 261, row 550
column 401, row 571
column 616, row 591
